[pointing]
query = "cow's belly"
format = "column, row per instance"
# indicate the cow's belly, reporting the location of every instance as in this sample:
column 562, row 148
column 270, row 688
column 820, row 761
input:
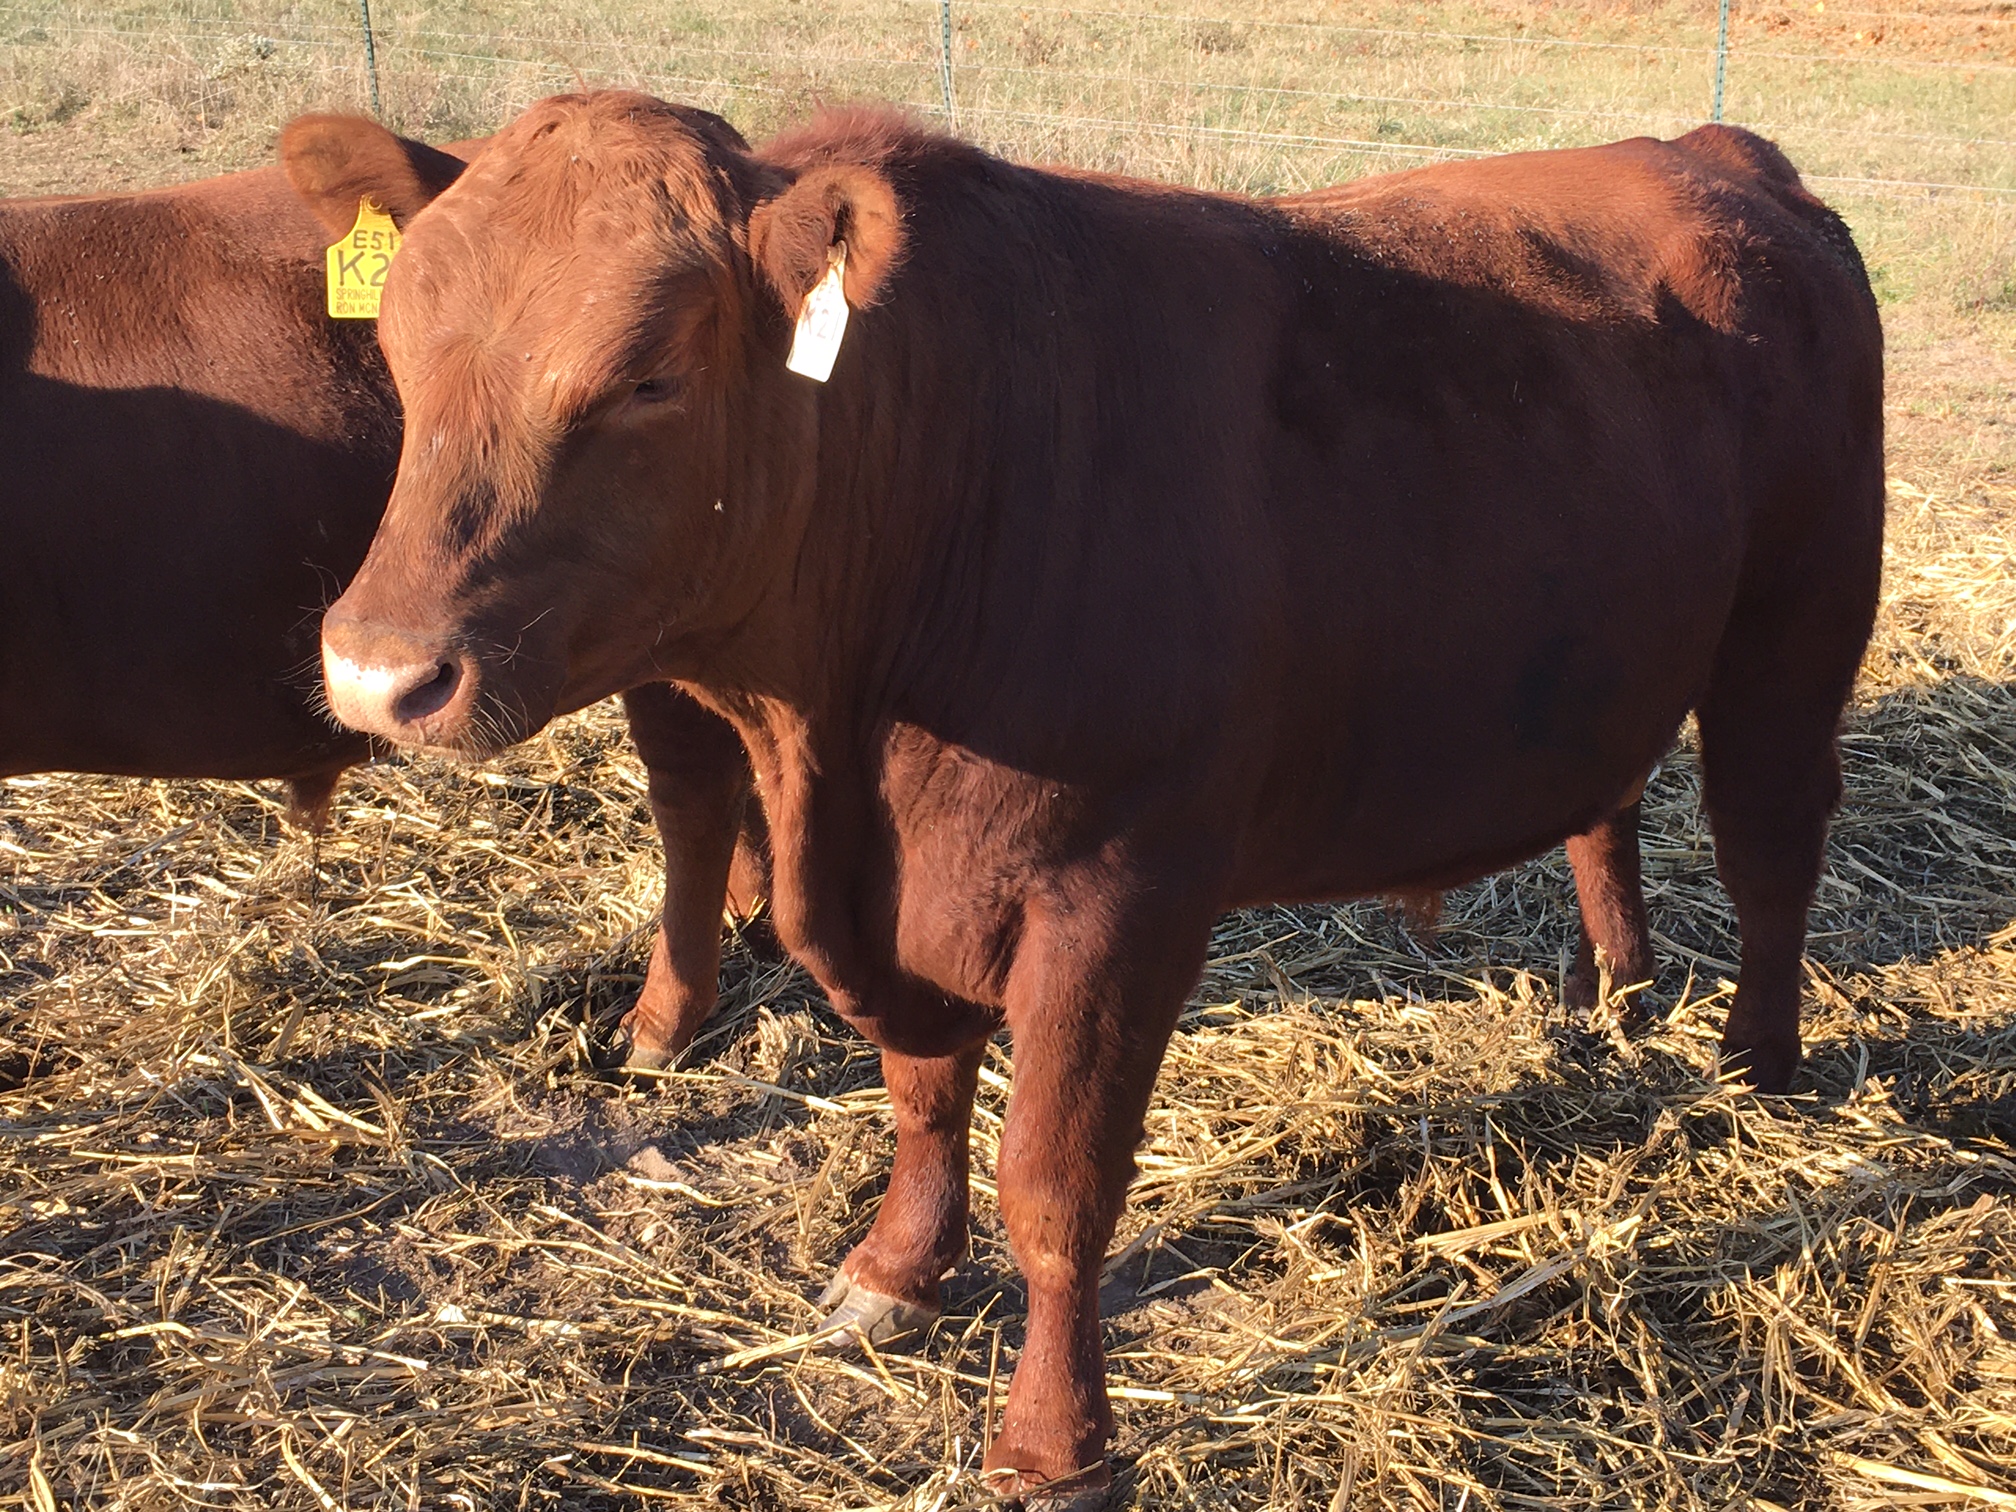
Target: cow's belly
column 1499, row 683
column 1428, row 802
column 168, row 559
column 163, row 714
column 196, row 687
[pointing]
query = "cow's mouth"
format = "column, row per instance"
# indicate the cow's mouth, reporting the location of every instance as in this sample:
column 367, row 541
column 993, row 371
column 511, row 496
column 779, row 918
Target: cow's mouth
column 408, row 689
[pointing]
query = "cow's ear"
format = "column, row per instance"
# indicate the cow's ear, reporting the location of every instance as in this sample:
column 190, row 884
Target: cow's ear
column 333, row 161
column 790, row 235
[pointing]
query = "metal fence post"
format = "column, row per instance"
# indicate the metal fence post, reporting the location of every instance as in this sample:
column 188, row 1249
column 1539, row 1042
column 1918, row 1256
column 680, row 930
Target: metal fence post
column 1721, row 58
column 371, row 58
column 945, row 60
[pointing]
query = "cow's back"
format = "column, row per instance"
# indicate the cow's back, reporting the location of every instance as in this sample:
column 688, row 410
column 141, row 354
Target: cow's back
column 1570, row 404
column 196, row 458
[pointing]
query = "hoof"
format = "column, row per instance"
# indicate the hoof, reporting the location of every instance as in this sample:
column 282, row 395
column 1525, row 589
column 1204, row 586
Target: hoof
column 1762, row 1068
column 638, row 1057
column 859, row 1313
column 1092, row 1500
column 1084, row 1491
column 1582, row 995
column 627, row 1052
column 621, row 1053
column 1579, row 997
column 1638, row 1011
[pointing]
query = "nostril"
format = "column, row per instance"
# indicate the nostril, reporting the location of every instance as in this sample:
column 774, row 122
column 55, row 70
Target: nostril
column 429, row 696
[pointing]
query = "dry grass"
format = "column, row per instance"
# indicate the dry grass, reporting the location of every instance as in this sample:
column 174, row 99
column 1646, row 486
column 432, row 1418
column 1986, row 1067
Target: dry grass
column 310, row 1191
column 310, row 1196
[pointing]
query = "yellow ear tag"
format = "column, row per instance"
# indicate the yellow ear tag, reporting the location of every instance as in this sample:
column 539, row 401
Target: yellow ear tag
column 822, row 321
column 359, row 262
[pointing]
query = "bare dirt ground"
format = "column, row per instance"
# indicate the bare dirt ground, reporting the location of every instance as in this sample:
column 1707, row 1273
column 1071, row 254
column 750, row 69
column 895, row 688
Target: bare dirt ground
column 311, row 1196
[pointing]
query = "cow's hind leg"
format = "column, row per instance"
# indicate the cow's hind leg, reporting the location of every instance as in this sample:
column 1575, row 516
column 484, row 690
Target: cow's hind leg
column 699, row 784
column 1610, row 892
column 887, row 1288
column 1771, row 777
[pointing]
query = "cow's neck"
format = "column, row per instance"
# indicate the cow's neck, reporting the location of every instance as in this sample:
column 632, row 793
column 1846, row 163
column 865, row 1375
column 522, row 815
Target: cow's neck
column 949, row 504
column 876, row 620
column 987, row 538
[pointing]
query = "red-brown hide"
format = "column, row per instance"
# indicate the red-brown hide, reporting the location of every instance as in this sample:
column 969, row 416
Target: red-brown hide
column 1148, row 554
column 195, row 459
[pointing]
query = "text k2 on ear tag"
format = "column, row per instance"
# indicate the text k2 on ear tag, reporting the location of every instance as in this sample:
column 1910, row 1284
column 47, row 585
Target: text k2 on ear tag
column 357, row 264
column 822, row 321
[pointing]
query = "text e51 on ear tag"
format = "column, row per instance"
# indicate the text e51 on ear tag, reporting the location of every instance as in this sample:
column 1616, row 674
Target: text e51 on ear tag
column 822, row 321
column 357, row 264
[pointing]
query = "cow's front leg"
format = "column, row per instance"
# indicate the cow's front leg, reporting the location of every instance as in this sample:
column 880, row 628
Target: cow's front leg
column 887, row 1288
column 1091, row 1011
column 699, row 784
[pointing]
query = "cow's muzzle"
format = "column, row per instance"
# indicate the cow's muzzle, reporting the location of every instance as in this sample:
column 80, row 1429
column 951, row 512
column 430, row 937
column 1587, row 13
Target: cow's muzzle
column 401, row 687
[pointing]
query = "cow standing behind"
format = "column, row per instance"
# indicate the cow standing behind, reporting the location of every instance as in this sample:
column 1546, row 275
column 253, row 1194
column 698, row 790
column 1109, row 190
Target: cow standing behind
column 194, row 460
column 1149, row 553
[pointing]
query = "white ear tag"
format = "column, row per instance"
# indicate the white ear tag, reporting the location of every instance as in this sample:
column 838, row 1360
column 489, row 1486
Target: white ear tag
column 822, row 321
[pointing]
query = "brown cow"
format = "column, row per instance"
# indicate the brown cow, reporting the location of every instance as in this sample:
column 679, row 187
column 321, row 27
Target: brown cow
column 1148, row 554
column 195, row 458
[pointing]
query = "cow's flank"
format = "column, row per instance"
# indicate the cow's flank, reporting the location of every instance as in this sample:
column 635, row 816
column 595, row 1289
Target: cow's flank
column 1148, row 553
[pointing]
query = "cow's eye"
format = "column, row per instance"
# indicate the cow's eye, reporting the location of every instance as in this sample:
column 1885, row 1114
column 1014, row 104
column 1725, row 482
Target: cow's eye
column 632, row 399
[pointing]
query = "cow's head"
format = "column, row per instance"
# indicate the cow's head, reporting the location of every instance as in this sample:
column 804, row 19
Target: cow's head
column 603, row 453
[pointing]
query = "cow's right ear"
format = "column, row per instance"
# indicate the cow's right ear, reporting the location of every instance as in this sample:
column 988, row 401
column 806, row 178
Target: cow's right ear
column 791, row 234
column 333, row 161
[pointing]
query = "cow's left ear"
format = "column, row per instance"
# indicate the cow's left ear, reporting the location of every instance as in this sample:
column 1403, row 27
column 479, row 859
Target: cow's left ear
column 333, row 161
column 790, row 236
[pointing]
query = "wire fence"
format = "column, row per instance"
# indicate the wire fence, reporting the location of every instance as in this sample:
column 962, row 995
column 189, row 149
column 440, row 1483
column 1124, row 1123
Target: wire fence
column 1875, row 102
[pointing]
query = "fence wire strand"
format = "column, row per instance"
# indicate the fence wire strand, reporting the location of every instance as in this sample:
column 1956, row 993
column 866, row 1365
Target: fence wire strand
column 640, row 60
column 1706, row 50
